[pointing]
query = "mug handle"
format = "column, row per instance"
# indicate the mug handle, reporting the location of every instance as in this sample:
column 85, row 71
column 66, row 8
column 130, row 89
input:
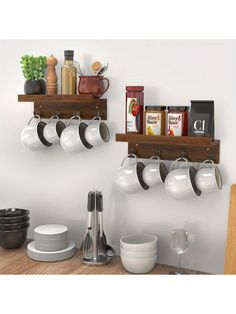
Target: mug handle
column 35, row 116
column 54, row 116
column 95, row 118
column 73, row 117
column 179, row 159
column 108, row 83
column 136, row 159
column 207, row 161
column 153, row 157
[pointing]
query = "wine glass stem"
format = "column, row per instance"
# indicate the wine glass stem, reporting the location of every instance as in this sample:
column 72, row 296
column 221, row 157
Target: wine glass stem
column 179, row 263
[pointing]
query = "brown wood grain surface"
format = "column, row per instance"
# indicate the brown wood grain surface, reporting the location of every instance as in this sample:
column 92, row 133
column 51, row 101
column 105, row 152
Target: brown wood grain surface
column 57, row 98
column 17, row 262
column 170, row 140
column 195, row 149
column 65, row 106
column 230, row 257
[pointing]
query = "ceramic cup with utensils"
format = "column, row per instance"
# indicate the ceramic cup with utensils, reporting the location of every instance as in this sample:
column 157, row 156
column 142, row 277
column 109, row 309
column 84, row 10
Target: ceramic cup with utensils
column 97, row 132
column 32, row 135
column 93, row 85
column 129, row 177
column 208, row 179
column 73, row 137
column 180, row 182
column 53, row 129
column 155, row 172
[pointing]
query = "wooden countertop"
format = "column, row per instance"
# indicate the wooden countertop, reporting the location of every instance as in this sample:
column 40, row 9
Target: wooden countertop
column 17, row 262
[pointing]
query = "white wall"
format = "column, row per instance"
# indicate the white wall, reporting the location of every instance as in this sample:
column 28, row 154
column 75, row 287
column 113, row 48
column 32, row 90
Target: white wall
column 54, row 185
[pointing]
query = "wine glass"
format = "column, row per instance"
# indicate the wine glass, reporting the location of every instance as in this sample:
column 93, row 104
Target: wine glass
column 179, row 244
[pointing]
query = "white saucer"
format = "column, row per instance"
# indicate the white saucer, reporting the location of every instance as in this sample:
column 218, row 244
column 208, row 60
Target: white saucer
column 55, row 256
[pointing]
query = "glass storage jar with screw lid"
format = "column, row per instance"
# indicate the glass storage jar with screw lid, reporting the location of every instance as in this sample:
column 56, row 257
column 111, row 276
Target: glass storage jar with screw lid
column 154, row 120
column 134, row 109
column 177, row 121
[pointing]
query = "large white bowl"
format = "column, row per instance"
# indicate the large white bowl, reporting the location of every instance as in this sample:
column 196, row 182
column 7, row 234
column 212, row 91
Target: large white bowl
column 138, row 265
column 139, row 242
column 137, row 254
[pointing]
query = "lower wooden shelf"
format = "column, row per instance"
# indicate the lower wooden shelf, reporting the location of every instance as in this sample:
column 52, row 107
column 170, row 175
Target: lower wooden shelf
column 195, row 149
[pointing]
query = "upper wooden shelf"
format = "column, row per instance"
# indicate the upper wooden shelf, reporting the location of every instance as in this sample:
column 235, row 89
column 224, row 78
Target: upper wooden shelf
column 196, row 149
column 59, row 98
column 67, row 105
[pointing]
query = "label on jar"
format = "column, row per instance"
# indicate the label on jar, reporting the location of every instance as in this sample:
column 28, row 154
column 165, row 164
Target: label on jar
column 153, row 123
column 175, row 124
column 133, row 115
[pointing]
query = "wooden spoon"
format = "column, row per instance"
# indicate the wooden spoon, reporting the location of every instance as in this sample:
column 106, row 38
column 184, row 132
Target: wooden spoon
column 96, row 66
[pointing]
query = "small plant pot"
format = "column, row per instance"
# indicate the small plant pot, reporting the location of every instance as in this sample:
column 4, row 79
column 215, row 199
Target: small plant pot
column 43, row 86
column 34, row 87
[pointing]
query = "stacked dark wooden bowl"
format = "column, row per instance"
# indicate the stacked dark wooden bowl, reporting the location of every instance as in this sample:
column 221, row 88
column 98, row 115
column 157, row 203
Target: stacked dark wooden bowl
column 14, row 224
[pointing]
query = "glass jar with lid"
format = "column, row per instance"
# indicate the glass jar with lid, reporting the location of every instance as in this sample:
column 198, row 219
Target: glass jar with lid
column 154, row 120
column 177, row 121
column 134, row 109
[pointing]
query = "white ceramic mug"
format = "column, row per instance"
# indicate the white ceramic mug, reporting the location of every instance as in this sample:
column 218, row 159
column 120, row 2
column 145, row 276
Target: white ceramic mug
column 97, row 132
column 208, row 179
column 128, row 178
column 53, row 129
column 32, row 135
column 72, row 137
column 154, row 172
column 180, row 182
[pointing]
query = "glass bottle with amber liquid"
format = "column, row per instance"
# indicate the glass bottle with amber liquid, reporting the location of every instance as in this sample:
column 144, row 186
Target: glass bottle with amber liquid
column 68, row 74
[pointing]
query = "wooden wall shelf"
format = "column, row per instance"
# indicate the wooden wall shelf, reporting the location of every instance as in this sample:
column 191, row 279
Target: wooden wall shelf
column 196, row 149
column 67, row 105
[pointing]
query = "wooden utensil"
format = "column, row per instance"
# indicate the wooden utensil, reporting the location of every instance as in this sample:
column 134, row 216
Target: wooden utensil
column 96, row 66
column 230, row 258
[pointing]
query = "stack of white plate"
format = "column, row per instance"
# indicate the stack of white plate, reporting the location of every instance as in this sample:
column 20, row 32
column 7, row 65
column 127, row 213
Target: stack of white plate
column 138, row 252
column 51, row 244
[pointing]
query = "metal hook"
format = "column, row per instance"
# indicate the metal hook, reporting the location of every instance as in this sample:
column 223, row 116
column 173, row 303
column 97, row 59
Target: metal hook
column 132, row 151
column 211, row 156
column 36, row 113
column 57, row 113
column 158, row 154
column 98, row 113
column 184, row 155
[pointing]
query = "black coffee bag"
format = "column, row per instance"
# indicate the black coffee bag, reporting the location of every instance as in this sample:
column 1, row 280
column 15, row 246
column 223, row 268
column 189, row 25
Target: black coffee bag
column 201, row 118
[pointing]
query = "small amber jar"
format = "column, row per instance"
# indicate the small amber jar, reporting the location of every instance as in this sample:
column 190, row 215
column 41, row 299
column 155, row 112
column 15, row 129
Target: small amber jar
column 177, row 121
column 154, row 120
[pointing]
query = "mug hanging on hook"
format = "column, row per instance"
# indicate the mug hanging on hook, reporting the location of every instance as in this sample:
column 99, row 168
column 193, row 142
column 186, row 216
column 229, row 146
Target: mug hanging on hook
column 155, row 171
column 73, row 136
column 32, row 135
column 53, row 130
column 97, row 132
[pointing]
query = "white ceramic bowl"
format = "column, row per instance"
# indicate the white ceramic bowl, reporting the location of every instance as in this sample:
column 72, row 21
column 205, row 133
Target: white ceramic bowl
column 138, row 265
column 137, row 254
column 139, row 242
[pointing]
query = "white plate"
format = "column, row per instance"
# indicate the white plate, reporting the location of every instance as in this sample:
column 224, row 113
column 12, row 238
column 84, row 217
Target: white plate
column 55, row 256
column 52, row 231
column 50, row 247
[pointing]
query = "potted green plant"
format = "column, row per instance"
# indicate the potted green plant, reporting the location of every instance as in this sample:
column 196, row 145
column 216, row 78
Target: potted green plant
column 33, row 69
